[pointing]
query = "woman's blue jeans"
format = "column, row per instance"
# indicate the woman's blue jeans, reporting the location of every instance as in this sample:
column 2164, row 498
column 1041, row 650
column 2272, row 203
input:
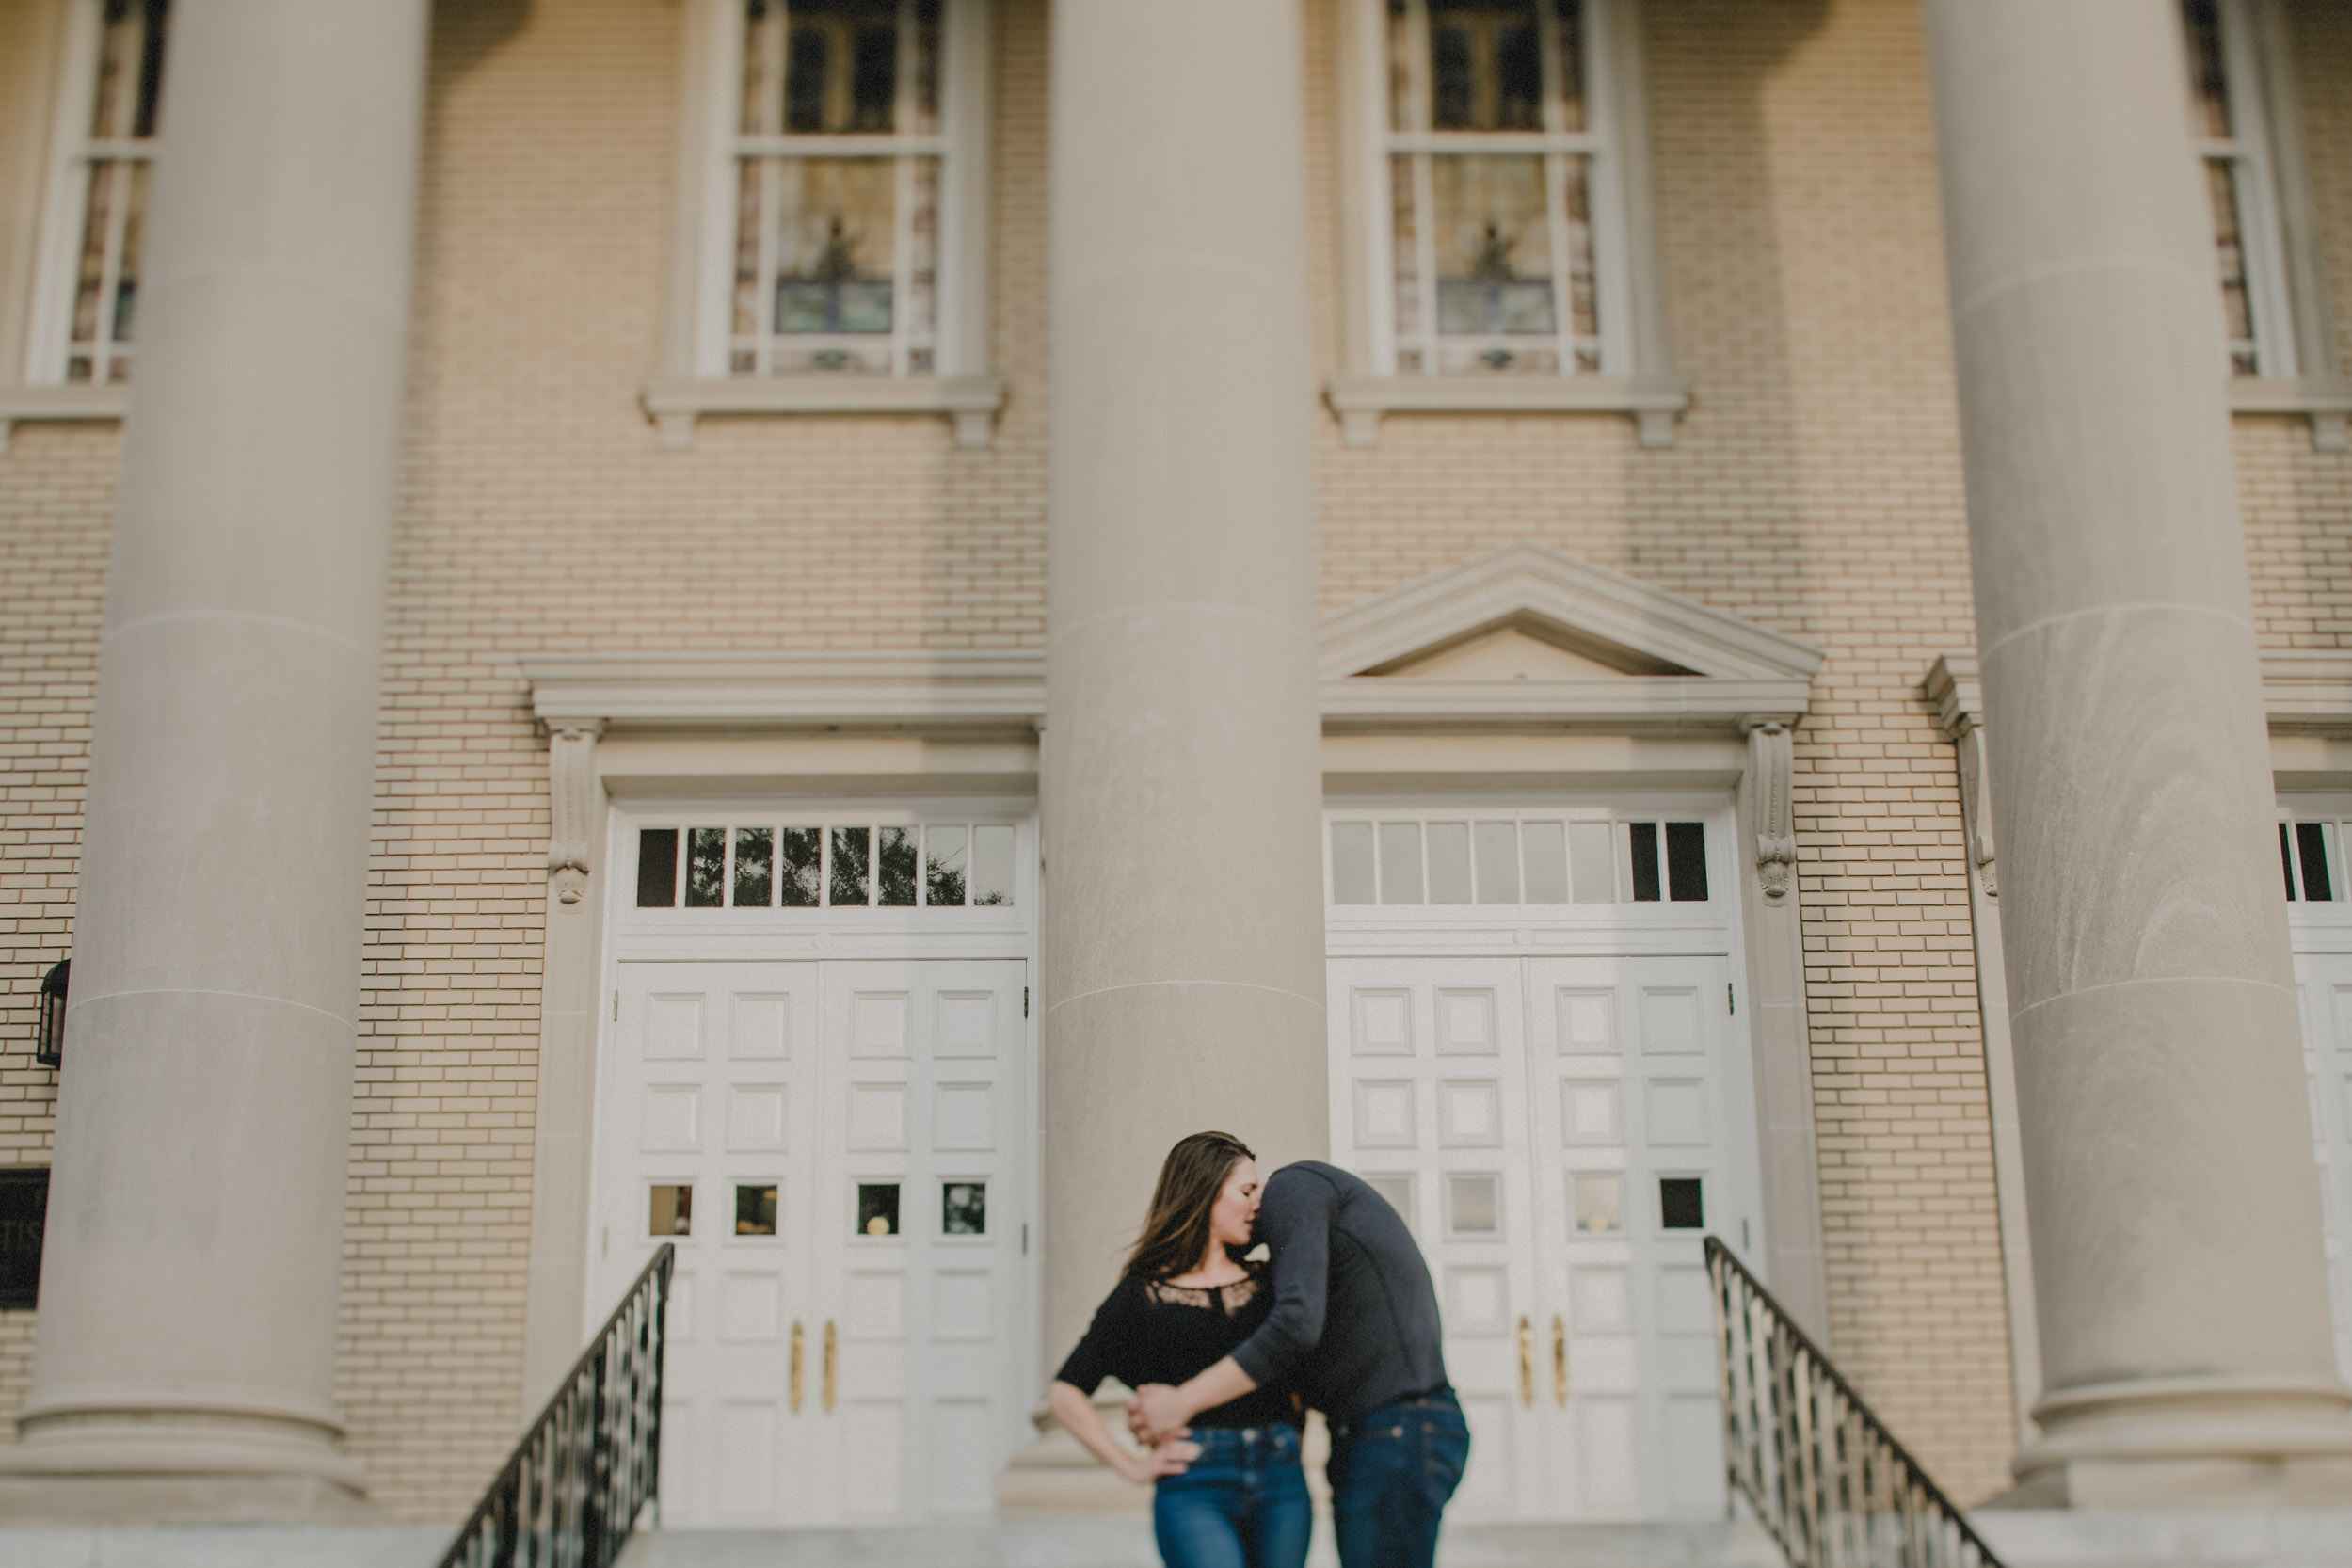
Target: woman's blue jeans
column 1392, row 1471
column 1243, row 1504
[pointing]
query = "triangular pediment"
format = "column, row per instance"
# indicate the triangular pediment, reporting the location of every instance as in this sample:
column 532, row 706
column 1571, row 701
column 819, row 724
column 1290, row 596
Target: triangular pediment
column 1527, row 613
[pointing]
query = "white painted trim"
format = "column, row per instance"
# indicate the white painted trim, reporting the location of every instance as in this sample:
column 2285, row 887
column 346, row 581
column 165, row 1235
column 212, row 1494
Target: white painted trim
column 2325, row 400
column 2307, row 691
column 28, row 85
column 1633, row 705
column 1633, row 378
column 2260, row 231
column 49, row 321
column 2299, row 209
column 970, row 402
column 696, row 379
column 1655, row 402
column 1741, row 672
column 1953, row 686
column 816, row 690
column 60, row 404
column 1530, row 579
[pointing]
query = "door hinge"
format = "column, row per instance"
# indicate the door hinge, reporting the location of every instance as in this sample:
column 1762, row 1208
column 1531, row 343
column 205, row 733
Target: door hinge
column 1024, row 1240
column 1731, row 1001
column 1024, row 1001
column 617, row 1007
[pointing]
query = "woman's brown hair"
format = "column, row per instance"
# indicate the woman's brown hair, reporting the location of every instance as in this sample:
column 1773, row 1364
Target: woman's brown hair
column 1176, row 1232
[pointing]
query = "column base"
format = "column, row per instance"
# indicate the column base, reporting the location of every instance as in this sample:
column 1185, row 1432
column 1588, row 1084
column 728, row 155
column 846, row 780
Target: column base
column 1056, row 1477
column 178, row 1466
column 2188, row 1443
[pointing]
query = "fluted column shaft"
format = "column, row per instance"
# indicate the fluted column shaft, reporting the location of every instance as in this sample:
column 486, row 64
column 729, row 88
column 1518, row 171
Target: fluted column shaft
column 1182, row 788
column 2168, row 1169
column 189, row 1299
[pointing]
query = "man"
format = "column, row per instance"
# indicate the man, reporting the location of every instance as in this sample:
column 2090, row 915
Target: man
column 1354, row 1330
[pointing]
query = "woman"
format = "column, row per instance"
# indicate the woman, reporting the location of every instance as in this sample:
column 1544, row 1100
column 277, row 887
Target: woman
column 1234, row 1496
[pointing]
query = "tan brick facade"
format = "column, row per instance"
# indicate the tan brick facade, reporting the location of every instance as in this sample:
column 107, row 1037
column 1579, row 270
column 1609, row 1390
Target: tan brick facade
column 1815, row 489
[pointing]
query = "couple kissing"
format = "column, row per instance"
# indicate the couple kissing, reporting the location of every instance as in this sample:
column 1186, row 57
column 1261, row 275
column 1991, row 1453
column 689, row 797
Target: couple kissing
column 1225, row 1355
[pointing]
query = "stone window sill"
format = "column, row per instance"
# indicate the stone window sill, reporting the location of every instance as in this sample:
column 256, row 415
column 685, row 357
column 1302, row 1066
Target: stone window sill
column 2325, row 400
column 970, row 402
column 1655, row 402
column 55, row 404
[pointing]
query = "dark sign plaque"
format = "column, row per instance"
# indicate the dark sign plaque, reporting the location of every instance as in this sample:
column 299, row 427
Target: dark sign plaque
column 24, row 1206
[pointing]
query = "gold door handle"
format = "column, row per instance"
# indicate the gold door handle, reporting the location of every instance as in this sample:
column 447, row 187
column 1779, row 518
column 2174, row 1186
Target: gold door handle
column 832, row 1362
column 798, row 1383
column 1559, row 1360
column 1527, row 1363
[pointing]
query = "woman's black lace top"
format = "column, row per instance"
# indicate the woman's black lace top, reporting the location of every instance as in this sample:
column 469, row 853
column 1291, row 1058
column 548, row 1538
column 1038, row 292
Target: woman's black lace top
column 1149, row 1331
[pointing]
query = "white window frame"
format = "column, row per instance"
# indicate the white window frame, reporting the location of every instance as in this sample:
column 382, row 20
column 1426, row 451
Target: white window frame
column 2297, row 371
column 65, row 195
column 1632, row 377
column 1604, row 192
column 2260, row 231
column 696, row 378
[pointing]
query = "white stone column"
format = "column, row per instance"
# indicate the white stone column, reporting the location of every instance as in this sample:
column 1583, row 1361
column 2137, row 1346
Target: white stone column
column 1183, row 967
column 2175, row 1211
column 185, row 1363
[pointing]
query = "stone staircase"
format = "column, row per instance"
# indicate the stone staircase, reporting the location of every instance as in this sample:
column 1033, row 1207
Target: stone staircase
column 2287, row 1538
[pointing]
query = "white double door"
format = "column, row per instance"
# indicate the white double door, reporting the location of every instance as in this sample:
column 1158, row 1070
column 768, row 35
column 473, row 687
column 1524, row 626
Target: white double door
column 2325, row 979
column 845, row 1141
column 1562, row 1133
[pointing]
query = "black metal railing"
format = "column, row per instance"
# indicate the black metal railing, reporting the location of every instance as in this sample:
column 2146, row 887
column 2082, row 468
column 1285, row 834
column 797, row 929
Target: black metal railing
column 1826, row 1478
column 572, row 1491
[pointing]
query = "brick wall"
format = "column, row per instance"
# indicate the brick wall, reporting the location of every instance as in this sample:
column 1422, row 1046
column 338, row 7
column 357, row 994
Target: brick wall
column 57, row 503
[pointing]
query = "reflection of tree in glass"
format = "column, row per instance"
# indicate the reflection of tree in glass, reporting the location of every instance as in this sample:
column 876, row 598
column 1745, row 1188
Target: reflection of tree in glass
column 751, row 868
column 799, row 850
column 849, row 864
column 706, row 868
column 898, row 866
column 943, row 865
column 964, row 1208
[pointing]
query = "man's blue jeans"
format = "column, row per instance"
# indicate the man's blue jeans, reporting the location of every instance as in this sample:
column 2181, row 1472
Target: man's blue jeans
column 1243, row 1504
column 1391, row 1472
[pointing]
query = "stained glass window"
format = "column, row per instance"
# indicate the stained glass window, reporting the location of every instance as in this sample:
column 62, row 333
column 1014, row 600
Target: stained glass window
column 108, row 177
column 837, row 154
column 1492, row 157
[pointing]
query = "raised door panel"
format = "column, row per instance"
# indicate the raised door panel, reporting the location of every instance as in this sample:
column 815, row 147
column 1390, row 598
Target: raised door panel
column 706, row 1140
column 1427, row 1089
column 922, row 1120
column 1643, row 1143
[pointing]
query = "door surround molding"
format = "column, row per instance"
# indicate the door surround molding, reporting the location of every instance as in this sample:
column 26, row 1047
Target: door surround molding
column 1627, row 687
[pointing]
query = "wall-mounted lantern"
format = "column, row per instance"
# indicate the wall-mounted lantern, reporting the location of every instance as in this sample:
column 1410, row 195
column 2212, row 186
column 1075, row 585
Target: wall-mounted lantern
column 49, row 1044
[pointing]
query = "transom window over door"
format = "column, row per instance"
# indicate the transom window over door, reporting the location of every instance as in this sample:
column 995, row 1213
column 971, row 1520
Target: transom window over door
column 110, row 109
column 1500, row 191
column 839, row 168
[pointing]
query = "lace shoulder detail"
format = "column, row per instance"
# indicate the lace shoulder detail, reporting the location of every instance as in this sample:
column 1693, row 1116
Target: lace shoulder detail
column 1231, row 1299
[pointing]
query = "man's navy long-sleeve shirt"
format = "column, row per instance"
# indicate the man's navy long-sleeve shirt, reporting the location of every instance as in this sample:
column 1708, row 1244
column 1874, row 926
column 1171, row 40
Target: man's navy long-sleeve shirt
column 1354, row 1323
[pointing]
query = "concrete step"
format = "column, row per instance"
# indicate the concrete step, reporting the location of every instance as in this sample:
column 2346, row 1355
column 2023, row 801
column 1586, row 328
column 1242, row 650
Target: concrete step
column 2285, row 1537
column 1128, row 1544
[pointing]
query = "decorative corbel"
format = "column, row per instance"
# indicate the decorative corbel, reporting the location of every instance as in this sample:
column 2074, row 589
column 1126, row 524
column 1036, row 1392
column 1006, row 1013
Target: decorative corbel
column 1771, row 766
column 1976, row 812
column 1954, row 688
column 572, row 787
